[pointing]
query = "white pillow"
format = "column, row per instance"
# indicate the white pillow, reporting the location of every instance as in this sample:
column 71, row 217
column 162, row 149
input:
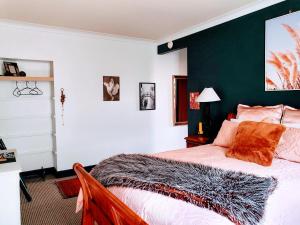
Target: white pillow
column 290, row 115
column 269, row 114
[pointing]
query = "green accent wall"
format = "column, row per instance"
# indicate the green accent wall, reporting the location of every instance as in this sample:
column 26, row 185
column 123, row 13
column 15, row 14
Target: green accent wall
column 231, row 58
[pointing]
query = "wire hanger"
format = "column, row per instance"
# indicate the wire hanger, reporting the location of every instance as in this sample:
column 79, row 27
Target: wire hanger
column 35, row 90
column 27, row 90
column 17, row 92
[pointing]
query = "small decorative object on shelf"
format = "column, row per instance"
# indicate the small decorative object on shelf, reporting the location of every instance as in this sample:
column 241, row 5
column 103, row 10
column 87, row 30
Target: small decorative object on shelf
column 62, row 100
column 22, row 74
column 196, row 140
column 11, row 68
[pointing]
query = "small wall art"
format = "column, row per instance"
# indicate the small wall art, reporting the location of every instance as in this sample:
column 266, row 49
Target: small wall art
column 193, row 104
column 282, row 56
column 111, row 88
column 147, row 96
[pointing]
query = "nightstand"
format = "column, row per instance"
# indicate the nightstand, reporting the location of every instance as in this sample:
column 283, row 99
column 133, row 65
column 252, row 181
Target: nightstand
column 196, row 140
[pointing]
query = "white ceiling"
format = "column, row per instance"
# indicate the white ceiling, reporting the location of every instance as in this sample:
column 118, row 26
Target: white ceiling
column 148, row 19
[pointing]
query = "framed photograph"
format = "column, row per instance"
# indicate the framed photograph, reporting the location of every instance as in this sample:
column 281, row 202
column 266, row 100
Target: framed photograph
column 147, row 96
column 111, row 88
column 193, row 104
column 282, row 57
column 11, row 68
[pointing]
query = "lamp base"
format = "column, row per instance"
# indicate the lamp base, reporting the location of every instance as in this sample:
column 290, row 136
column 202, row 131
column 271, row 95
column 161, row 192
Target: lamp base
column 207, row 123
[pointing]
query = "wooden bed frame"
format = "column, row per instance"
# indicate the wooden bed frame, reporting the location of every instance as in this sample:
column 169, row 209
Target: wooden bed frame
column 100, row 205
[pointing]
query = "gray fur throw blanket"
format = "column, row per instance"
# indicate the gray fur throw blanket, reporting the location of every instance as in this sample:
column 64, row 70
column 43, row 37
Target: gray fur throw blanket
column 238, row 196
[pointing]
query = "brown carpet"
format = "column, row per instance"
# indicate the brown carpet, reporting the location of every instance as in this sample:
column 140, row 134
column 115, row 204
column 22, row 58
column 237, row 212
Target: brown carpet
column 68, row 188
column 47, row 206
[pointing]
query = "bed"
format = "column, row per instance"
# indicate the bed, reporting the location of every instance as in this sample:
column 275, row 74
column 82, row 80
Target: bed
column 282, row 206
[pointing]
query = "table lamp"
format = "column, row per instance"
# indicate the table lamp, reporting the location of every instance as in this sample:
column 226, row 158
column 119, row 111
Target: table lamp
column 208, row 95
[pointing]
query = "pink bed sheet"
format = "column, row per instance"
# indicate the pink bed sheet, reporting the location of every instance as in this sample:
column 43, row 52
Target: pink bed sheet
column 283, row 206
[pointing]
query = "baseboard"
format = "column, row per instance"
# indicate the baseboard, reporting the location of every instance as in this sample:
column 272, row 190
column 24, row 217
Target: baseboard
column 53, row 171
column 40, row 172
column 70, row 172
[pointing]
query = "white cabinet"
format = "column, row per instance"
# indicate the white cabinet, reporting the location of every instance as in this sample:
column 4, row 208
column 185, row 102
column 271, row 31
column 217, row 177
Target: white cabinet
column 10, row 212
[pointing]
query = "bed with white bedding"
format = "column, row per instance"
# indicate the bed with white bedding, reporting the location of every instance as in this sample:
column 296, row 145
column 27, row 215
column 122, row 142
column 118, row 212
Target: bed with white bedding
column 283, row 205
column 263, row 149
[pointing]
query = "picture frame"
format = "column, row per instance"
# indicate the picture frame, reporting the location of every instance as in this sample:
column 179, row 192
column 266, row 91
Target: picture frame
column 111, row 88
column 179, row 100
column 11, row 68
column 193, row 104
column 147, row 96
column 282, row 53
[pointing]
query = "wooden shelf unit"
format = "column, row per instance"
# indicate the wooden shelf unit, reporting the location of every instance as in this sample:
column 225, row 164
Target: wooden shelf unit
column 8, row 78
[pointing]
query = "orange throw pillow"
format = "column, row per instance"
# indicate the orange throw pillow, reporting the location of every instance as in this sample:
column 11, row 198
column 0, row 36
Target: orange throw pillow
column 256, row 142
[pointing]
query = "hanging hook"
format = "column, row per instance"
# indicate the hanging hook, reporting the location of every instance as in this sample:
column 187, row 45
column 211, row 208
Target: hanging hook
column 62, row 96
column 62, row 100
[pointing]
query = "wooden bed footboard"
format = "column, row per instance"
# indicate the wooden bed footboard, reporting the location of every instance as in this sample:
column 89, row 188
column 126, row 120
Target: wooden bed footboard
column 100, row 205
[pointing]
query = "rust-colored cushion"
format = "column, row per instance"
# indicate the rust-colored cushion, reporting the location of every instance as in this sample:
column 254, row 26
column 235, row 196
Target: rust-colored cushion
column 256, row 142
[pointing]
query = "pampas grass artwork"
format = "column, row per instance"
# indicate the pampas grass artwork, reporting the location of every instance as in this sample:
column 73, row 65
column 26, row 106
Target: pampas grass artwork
column 283, row 53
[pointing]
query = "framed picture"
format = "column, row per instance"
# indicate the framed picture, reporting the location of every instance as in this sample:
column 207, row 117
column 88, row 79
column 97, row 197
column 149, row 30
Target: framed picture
column 193, row 104
column 111, row 88
column 11, row 68
column 147, row 96
column 282, row 57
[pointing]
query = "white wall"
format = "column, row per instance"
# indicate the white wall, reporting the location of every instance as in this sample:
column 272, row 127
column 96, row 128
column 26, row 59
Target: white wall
column 165, row 135
column 95, row 129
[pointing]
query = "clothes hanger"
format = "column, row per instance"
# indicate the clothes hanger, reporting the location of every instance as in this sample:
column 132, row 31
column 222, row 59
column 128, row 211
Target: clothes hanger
column 27, row 90
column 35, row 90
column 17, row 92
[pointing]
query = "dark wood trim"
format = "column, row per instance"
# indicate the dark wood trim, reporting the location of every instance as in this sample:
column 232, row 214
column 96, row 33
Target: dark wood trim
column 196, row 140
column 174, row 99
column 178, row 44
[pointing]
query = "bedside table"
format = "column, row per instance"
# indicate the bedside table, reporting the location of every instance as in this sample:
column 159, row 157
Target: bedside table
column 196, row 140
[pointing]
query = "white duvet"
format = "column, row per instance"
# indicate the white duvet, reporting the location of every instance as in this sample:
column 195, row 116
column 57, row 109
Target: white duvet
column 283, row 206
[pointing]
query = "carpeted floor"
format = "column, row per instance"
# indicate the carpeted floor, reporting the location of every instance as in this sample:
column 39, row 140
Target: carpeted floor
column 48, row 206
